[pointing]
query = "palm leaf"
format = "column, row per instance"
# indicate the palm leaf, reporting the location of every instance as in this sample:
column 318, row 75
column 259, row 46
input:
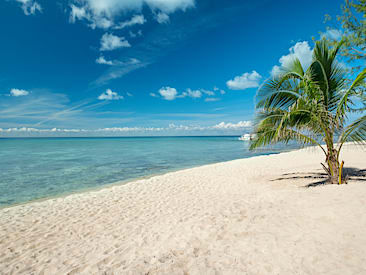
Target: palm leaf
column 344, row 102
column 355, row 132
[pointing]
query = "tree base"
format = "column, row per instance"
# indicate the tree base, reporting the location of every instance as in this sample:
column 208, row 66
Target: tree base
column 335, row 176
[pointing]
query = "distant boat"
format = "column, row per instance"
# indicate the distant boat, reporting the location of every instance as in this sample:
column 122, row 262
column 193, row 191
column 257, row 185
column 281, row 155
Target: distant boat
column 246, row 137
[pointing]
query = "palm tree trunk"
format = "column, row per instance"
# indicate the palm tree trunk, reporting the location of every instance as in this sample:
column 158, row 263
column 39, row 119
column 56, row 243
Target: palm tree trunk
column 333, row 166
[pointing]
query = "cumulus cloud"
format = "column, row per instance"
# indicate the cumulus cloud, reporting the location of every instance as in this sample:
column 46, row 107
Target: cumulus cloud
column 129, row 94
column 300, row 50
column 102, row 60
column 168, row 93
column 81, row 13
column 77, row 13
column 135, row 20
column 245, row 81
column 192, row 93
column 162, row 18
column 18, row 92
column 30, row 6
column 332, row 34
column 109, row 95
column 111, row 42
column 102, row 14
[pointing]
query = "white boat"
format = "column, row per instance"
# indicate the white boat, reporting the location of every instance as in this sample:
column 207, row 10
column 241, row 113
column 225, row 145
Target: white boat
column 246, row 137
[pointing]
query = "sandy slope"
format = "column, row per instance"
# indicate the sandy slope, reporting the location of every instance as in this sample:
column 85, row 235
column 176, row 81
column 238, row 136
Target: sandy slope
column 249, row 216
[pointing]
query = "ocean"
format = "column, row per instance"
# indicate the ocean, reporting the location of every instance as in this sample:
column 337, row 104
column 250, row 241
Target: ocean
column 37, row 168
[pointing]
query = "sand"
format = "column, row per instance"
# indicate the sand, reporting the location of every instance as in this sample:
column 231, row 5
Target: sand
column 248, row 216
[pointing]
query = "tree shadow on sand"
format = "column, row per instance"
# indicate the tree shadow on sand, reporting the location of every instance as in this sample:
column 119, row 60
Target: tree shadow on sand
column 352, row 174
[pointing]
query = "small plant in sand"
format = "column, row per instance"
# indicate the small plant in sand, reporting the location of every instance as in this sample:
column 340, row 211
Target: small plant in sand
column 311, row 107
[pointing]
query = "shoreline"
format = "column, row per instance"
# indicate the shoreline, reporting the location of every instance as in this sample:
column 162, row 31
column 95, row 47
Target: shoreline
column 249, row 216
column 131, row 180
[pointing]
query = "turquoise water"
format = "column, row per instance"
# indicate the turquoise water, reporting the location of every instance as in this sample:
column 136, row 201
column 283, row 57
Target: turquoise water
column 35, row 168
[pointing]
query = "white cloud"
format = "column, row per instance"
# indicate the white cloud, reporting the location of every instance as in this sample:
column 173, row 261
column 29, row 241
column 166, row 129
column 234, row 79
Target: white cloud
column 102, row 60
column 81, row 13
column 129, row 94
column 239, row 125
column 172, row 129
column 245, row 81
column 102, row 23
column 121, row 64
column 300, row 50
column 135, row 20
column 192, row 93
column 102, row 14
column 276, row 70
column 170, row 6
column 109, row 95
column 196, row 93
column 111, row 42
column 168, row 93
column 162, row 18
column 30, row 6
column 18, row 92
column 77, row 13
column 332, row 34
column 209, row 93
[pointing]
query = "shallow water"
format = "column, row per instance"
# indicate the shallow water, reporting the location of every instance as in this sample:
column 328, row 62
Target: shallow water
column 35, row 168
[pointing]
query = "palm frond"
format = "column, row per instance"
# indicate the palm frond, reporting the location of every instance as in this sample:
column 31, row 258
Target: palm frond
column 295, row 67
column 344, row 102
column 273, row 135
column 355, row 132
column 278, row 99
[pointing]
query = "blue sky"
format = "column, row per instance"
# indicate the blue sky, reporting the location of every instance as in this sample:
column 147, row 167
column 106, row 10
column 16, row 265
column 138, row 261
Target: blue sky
column 145, row 67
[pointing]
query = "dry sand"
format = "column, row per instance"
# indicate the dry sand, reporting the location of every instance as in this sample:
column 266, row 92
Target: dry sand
column 248, row 216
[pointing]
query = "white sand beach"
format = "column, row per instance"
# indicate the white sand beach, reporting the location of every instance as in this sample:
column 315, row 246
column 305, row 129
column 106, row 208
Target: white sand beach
column 248, row 216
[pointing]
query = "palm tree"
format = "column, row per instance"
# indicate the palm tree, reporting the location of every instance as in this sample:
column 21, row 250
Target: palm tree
column 311, row 107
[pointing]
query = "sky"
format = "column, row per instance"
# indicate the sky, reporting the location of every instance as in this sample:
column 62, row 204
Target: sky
column 146, row 67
